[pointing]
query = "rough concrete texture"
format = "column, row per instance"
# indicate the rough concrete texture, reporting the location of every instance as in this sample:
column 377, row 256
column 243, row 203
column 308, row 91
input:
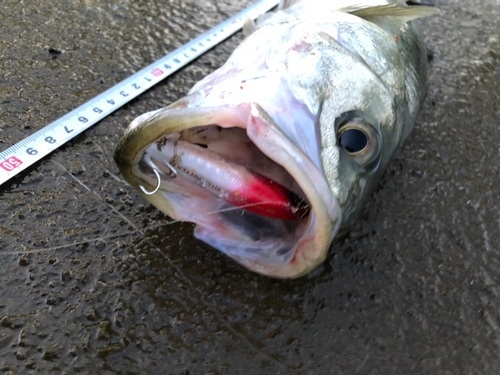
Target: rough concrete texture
column 94, row 280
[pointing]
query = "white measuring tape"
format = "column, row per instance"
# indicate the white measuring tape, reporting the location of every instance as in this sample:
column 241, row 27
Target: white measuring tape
column 31, row 149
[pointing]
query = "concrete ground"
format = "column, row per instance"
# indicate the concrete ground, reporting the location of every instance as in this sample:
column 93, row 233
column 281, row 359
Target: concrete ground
column 94, row 280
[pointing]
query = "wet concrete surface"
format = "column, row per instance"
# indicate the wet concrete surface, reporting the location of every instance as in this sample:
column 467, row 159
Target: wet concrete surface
column 94, row 280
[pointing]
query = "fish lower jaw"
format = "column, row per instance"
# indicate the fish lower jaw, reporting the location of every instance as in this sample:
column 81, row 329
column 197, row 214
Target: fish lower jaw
column 252, row 193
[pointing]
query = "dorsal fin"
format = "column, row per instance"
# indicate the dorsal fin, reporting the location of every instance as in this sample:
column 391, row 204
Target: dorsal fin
column 374, row 8
column 358, row 6
column 403, row 13
column 341, row 5
column 345, row 6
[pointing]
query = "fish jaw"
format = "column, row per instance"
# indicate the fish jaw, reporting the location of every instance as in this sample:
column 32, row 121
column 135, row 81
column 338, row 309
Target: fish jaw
column 269, row 246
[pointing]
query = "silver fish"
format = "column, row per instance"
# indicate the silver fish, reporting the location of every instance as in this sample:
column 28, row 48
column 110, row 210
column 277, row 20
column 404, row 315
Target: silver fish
column 274, row 154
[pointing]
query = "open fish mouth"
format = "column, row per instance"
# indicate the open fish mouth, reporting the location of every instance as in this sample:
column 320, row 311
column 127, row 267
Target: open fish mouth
column 253, row 193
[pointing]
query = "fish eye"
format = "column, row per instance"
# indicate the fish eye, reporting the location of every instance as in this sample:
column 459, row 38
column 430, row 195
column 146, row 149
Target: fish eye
column 360, row 141
column 353, row 140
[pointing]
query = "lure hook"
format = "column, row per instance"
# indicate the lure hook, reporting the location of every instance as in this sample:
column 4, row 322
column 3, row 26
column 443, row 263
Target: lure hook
column 173, row 172
column 157, row 165
column 155, row 190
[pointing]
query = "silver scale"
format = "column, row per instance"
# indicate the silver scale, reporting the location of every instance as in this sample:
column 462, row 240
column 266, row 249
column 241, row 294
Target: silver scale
column 41, row 143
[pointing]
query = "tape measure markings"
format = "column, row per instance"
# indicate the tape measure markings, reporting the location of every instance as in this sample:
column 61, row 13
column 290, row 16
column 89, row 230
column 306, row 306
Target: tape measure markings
column 28, row 151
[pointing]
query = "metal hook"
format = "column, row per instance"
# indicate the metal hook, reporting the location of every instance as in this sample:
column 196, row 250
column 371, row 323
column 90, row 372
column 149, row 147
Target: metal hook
column 170, row 173
column 173, row 172
column 155, row 190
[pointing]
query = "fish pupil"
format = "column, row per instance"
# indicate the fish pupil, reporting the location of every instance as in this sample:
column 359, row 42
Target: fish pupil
column 353, row 140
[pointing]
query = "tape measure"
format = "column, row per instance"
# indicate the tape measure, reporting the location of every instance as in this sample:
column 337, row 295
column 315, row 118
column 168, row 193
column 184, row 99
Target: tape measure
column 41, row 143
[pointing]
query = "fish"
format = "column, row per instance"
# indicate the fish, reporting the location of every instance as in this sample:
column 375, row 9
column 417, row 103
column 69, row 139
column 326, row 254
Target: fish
column 274, row 154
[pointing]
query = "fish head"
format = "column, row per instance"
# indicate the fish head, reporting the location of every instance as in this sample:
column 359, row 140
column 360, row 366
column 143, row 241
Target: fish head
column 279, row 148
